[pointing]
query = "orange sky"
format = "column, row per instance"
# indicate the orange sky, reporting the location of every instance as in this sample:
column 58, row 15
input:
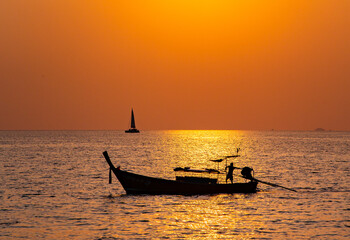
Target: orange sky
column 199, row 64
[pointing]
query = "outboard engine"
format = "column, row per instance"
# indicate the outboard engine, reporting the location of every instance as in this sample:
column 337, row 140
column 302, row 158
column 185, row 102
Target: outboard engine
column 247, row 173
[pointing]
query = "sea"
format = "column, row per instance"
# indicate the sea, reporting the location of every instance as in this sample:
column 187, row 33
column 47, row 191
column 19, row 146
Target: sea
column 55, row 185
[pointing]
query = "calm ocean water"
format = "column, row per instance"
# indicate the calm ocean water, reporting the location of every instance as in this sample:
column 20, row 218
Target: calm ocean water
column 54, row 185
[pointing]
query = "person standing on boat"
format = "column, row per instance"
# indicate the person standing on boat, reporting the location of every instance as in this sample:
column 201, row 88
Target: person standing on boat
column 230, row 172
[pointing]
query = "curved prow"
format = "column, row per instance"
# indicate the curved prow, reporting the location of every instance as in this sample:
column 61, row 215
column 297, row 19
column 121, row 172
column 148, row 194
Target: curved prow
column 105, row 154
column 111, row 166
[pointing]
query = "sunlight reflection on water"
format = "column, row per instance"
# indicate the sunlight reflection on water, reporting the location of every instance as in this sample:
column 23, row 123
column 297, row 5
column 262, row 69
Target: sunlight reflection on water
column 55, row 185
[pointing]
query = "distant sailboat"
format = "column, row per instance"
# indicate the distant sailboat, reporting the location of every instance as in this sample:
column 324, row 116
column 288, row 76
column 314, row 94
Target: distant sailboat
column 133, row 126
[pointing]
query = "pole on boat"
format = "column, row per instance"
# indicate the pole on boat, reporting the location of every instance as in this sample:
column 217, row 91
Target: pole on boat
column 247, row 174
column 110, row 175
column 274, row 185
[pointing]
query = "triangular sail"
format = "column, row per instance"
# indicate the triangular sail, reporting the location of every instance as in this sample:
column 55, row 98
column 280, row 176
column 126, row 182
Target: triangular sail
column 132, row 119
column 132, row 125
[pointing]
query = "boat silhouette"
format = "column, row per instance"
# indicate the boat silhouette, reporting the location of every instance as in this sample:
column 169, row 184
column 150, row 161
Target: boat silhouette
column 132, row 128
column 139, row 184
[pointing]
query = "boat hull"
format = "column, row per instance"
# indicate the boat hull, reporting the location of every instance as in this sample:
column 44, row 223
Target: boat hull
column 138, row 184
column 132, row 130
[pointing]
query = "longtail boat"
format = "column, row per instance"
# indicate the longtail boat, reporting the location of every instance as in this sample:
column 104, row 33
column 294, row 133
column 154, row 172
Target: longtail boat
column 182, row 185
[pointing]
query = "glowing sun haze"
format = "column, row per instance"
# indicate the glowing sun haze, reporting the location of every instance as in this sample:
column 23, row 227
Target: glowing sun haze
column 199, row 64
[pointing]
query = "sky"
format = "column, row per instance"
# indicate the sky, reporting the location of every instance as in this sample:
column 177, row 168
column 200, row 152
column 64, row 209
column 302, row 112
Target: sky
column 199, row 64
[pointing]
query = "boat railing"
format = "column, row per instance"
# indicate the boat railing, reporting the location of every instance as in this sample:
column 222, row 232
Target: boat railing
column 186, row 174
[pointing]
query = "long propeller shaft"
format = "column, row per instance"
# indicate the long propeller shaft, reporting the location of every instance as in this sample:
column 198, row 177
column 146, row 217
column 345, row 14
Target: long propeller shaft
column 274, row 185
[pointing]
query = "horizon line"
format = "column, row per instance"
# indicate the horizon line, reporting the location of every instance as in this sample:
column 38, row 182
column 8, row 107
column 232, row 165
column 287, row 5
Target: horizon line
column 270, row 130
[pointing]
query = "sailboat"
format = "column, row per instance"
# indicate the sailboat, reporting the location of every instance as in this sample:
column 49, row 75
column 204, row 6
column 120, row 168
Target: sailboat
column 133, row 128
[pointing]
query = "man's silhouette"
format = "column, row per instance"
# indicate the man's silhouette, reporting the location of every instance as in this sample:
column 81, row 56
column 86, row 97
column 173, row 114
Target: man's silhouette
column 230, row 172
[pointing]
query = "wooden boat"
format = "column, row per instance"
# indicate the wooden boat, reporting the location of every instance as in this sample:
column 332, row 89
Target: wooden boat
column 132, row 128
column 183, row 185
